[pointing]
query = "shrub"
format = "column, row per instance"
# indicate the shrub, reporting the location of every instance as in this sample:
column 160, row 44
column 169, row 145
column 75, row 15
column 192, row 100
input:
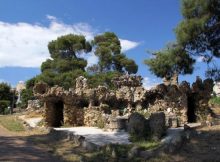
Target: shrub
column 215, row 100
column 4, row 104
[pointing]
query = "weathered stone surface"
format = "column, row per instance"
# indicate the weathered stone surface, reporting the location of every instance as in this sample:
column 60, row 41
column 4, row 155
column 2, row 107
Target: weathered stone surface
column 128, row 81
column 89, row 145
column 83, row 105
column 134, row 152
column 34, row 104
column 139, row 94
column 175, row 143
column 92, row 116
column 137, row 126
column 118, row 123
column 157, row 125
column 40, row 89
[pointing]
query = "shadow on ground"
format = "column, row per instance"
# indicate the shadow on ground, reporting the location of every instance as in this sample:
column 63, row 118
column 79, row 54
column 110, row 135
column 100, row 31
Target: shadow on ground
column 24, row 149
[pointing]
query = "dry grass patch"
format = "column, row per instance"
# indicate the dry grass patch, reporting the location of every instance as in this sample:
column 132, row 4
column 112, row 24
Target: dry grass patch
column 33, row 114
column 15, row 126
column 12, row 123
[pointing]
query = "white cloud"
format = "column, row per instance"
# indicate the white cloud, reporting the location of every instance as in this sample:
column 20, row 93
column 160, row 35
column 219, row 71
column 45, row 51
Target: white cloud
column 25, row 45
column 91, row 58
column 128, row 45
column 200, row 59
column 49, row 17
column 149, row 83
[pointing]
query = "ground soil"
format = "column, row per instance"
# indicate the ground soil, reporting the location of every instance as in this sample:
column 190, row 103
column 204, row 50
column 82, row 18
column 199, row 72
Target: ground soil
column 204, row 146
column 18, row 148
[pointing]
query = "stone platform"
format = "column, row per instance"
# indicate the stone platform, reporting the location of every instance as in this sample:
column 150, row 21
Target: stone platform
column 98, row 136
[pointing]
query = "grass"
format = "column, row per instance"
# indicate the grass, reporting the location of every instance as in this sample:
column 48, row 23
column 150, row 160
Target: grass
column 11, row 123
column 147, row 145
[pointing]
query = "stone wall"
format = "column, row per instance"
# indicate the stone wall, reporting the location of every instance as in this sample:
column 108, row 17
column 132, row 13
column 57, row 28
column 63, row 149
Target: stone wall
column 83, row 105
column 34, row 104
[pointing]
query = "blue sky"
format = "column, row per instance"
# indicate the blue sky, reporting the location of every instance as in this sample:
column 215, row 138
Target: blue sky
column 26, row 26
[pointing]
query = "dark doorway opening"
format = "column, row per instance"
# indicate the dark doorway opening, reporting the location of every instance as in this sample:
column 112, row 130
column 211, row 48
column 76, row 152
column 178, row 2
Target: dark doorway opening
column 57, row 119
column 191, row 109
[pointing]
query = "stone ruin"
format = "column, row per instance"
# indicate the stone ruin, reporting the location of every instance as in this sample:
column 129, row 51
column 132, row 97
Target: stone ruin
column 216, row 89
column 110, row 109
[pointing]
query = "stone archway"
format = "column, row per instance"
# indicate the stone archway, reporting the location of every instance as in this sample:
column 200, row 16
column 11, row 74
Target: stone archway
column 191, row 109
column 54, row 113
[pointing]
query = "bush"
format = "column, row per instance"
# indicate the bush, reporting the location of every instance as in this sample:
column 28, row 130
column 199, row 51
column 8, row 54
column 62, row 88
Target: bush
column 4, row 104
column 215, row 100
column 26, row 94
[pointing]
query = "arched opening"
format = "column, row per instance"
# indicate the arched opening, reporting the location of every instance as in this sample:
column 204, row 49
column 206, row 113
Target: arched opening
column 57, row 114
column 191, row 109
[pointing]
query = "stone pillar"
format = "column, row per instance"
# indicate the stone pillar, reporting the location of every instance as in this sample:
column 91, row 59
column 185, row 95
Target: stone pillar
column 65, row 114
column 184, row 105
column 157, row 124
column 49, row 114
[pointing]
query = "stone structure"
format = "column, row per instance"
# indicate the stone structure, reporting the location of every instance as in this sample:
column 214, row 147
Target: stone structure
column 20, row 86
column 216, row 89
column 111, row 109
column 34, row 104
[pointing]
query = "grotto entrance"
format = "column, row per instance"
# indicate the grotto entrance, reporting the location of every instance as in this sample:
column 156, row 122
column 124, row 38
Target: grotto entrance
column 191, row 109
column 57, row 114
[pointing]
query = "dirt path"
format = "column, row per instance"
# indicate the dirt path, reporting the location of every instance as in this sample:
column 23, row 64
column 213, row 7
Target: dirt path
column 21, row 149
column 205, row 146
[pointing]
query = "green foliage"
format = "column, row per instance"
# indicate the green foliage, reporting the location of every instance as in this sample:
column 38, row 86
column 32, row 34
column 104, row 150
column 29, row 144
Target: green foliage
column 68, row 46
column 147, row 144
column 199, row 30
column 65, row 79
column 93, row 69
column 5, row 97
column 30, row 83
column 102, row 79
column 108, row 50
column 26, row 94
column 213, row 72
column 5, row 93
column 170, row 61
column 4, row 106
column 65, row 64
column 215, row 100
